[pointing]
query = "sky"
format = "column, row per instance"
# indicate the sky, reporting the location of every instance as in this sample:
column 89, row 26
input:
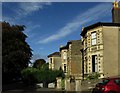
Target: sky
column 52, row 24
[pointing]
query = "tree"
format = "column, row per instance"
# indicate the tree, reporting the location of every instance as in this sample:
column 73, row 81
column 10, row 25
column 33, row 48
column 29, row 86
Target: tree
column 38, row 63
column 30, row 75
column 43, row 75
column 48, row 75
column 16, row 53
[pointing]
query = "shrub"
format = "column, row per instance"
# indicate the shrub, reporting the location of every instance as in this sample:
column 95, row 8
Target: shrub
column 93, row 76
column 30, row 75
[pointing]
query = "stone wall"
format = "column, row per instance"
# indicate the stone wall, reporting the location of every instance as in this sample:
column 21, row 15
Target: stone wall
column 78, row 84
column 87, row 85
column 59, row 80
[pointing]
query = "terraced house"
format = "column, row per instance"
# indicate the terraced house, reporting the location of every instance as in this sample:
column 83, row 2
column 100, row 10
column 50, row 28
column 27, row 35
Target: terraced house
column 101, row 49
column 63, row 52
column 54, row 61
column 71, row 59
column 98, row 51
column 101, row 52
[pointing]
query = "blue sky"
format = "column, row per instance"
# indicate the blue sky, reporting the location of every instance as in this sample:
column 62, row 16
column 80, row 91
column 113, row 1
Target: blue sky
column 50, row 25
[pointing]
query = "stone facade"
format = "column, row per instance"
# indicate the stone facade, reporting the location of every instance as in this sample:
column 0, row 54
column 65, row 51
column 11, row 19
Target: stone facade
column 64, row 60
column 54, row 61
column 72, row 57
column 101, row 49
column 98, row 51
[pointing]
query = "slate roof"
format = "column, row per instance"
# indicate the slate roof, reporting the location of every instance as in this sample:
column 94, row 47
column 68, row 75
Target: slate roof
column 55, row 54
column 67, row 45
column 97, row 25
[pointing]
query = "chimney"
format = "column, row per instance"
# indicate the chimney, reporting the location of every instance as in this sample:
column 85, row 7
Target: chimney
column 116, row 12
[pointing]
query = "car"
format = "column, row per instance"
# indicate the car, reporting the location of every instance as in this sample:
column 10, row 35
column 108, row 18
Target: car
column 108, row 85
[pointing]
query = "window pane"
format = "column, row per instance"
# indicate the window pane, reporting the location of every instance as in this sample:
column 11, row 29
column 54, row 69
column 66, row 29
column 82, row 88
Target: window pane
column 93, row 41
column 93, row 35
column 96, row 64
column 64, row 55
column 104, row 82
column 64, row 68
column 117, row 81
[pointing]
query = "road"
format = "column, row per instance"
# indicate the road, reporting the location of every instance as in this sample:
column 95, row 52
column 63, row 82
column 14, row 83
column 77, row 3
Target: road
column 20, row 88
column 42, row 90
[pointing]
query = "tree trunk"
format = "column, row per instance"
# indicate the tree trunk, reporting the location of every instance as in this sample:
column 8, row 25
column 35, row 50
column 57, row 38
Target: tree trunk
column 45, row 84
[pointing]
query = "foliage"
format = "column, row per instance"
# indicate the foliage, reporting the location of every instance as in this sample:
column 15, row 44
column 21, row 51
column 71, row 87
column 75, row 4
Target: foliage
column 93, row 76
column 38, row 63
column 63, row 83
column 45, row 66
column 30, row 75
column 48, row 75
column 44, row 75
column 16, row 53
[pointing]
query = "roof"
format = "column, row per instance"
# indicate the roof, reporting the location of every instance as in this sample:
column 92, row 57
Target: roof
column 67, row 46
column 97, row 25
column 55, row 54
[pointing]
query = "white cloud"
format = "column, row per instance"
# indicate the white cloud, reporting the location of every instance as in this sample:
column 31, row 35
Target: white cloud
column 26, row 8
column 88, row 16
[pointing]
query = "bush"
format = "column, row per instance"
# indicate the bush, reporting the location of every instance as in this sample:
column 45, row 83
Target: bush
column 30, row 75
column 93, row 76
column 45, row 75
column 63, row 84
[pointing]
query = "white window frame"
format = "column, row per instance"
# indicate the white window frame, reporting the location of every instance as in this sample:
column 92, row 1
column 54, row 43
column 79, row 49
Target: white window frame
column 93, row 38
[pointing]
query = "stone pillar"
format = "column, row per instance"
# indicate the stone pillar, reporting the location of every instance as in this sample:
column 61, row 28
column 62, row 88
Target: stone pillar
column 59, row 83
column 78, row 84
column 67, row 84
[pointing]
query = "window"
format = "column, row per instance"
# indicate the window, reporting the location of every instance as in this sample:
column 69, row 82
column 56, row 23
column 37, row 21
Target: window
column 104, row 82
column 51, row 60
column 64, row 55
column 94, row 63
column 93, row 38
column 64, row 68
column 117, row 81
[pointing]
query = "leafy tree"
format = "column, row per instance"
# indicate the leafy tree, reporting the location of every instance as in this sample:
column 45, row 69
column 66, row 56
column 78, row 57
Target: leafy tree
column 16, row 53
column 30, row 75
column 48, row 75
column 38, row 63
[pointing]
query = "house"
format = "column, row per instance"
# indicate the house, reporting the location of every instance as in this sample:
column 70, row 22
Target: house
column 71, row 58
column 63, row 52
column 101, row 52
column 102, row 49
column 54, row 61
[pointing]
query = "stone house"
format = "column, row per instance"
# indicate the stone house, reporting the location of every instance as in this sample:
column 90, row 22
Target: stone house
column 102, row 49
column 54, row 61
column 71, row 58
column 101, row 46
column 64, row 65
